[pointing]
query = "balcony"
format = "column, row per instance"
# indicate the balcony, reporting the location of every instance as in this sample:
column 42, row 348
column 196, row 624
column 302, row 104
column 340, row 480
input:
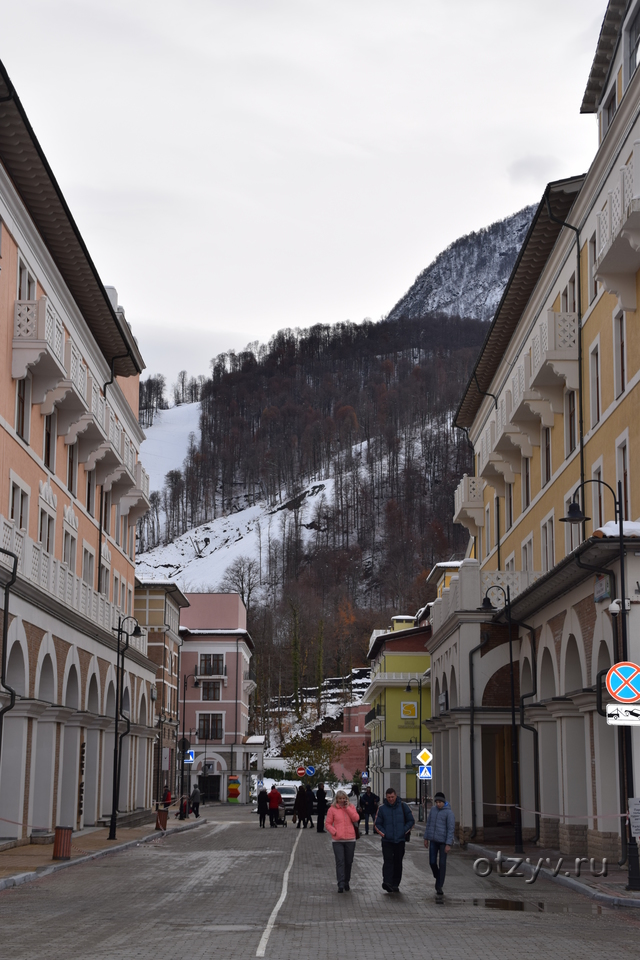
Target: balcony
column 89, row 430
column 516, row 580
column 554, row 357
column 249, row 681
column 618, row 234
column 69, row 397
column 135, row 502
column 469, row 504
column 38, row 346
column 376, row 713
column 56, row 579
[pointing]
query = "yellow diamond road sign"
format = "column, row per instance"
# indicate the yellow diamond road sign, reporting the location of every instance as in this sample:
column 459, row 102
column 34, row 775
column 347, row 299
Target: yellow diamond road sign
column 425, row 757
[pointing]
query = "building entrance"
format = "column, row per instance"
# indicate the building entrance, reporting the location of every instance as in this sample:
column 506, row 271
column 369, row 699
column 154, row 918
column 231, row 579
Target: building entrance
column 209, row 787
column 498, row 812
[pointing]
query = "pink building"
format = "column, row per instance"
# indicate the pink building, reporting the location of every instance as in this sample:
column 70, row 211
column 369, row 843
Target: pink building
column 216, row 684
column 356, row 739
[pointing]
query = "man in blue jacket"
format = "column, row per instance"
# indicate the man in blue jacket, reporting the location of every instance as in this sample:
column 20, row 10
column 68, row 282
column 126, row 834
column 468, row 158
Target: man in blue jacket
column 393, row 823
column 438, row 837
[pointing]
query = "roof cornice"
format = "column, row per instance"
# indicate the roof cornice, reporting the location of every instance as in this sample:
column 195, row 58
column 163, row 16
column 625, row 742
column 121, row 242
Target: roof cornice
column 606, row 47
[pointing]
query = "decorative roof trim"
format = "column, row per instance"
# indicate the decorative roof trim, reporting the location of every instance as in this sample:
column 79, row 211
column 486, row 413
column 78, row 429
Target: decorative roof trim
column 607, row 45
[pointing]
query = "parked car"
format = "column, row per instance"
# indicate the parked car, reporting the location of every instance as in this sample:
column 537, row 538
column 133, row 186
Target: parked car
column 288, row 792
column 329, row 797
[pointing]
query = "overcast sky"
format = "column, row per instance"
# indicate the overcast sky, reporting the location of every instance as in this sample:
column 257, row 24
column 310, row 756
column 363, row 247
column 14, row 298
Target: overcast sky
column 238, row 166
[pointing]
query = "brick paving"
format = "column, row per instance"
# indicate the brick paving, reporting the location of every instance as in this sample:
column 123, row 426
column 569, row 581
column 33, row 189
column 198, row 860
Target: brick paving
column 209, row 893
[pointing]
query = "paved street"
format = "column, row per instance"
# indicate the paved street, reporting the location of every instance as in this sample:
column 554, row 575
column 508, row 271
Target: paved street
column 211, row 891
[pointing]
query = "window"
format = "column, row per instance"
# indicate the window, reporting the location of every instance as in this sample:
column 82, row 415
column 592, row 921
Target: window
column 526, row 482
column 91, row 492
column 572, row 531
column 69, row 550
column 129, row 602
column 46, row 531
column 623, row 477
column 210, row 726
column 106, row 514
column 598, row 504
column 211, row 664
column 546, row 455
column 487, row 530
column 88, row 561
column 609, row 110
column 19, row 508
column 593, row 283
column 123, row 593
column 568, row 297
column 105, row 576
column 26, row 283
column 527, row 555
column 547, row 545
column 510, row 564
column 634, row 45
column 23, row 408
column 132, row 541
column 72, row 467
column 508, row 506
column 594, row 366
column 116, row 587
column 619, row 355
column 118, row 524
column 49, row 451
column 211, row 690
column 570, row 421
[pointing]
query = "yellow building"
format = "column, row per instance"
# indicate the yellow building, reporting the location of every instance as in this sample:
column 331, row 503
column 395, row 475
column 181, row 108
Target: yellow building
column 552, row 411
column 398, row 661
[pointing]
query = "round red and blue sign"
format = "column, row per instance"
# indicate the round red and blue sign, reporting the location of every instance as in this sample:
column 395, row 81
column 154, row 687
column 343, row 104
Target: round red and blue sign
column 623, row 682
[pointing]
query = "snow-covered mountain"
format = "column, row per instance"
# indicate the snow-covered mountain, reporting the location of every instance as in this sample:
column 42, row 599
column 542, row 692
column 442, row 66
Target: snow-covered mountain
column 167, row 441
column 467, row 279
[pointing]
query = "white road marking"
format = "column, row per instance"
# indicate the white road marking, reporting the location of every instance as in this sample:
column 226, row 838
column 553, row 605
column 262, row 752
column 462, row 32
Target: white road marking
column 264, row 939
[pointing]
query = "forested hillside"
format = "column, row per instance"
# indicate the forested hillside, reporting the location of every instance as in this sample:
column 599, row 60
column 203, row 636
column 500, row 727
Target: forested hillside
column 367, row 406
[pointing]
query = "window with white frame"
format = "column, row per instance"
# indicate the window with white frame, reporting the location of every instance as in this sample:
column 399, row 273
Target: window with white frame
column 623, row 475
column 19, row 504
column 23, row 408
column 593, row 283
column 508, row 506
column 46, row 531
column 116, row 588
column 49, row 442
column 619, row 354
column 526, row 482
column 545, row 455
column 210, row 726
column 594, row 383
column 597, row 495
column 633, row 45
column 106, row 514
column 568, row 296
column 69, row 548
column 88, row 565
column 105, row 578
column 123, row 594
column 26, row 283
column 609, row 110
column 118, row 524
column 132, row 542
column 527, row 554
column 72, row 467
column 547, row 546
column 91, row 492
column 570, row 421
column 510, row 563
column 129, row 602
column 487, row 530
column 496, row 520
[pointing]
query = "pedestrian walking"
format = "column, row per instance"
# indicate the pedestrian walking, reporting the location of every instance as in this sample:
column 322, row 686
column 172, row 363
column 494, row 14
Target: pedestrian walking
column 263, row 806
column 310, row 800
column 393, row 822
column 275, row 799
column 321, row 804
column 369, row 802
column 195, row 800
column 438, row 838
column 300, row 807
column 342, row 820
column 166, row 798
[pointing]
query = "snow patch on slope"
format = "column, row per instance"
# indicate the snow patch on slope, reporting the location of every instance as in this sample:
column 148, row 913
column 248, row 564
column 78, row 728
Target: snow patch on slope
column 167, row 441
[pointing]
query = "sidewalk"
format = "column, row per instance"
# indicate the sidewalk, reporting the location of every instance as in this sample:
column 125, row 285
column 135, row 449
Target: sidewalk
column 24, row 863
column 609, row 889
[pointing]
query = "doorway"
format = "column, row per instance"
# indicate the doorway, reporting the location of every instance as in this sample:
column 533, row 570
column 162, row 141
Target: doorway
column 498, row 812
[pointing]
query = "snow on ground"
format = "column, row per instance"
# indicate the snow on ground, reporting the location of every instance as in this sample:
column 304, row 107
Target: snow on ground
column 168, row 440
column 195, row 564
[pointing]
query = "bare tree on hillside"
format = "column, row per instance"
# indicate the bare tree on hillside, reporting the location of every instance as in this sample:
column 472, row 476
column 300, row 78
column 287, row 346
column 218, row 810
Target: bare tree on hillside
column 243, row 577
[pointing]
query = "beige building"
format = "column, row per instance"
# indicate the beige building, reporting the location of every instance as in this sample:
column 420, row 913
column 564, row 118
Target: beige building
column 71, row 489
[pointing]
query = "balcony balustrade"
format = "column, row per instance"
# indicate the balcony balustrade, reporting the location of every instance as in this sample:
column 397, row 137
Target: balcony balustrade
column 469, row 504
column 69, row 397
column 516, row 580
column 38, row 346
column 89, row 430
column 56, row 579
column 135, row 502
column 618, row 234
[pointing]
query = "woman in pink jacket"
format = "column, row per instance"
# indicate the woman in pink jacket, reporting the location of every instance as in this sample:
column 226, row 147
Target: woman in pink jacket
column 342, row 820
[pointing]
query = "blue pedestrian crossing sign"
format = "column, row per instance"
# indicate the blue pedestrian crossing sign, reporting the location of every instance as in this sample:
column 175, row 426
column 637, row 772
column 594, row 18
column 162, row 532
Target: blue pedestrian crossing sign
column 189, row 756
column 310, row 771
column 424, row 772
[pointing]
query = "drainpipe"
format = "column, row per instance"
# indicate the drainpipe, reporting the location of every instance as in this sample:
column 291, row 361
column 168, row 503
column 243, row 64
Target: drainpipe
column 5, row 634
column 484, row 638
column 576, row 230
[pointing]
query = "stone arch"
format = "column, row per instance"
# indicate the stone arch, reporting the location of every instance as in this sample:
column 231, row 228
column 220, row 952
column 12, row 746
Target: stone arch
column 110, row 700
column 142, row 709
column 47, row 683
column 453, row 690
column 603, row 661
column 126, row 701
column 72, row 674
column 526, row 677
column 445, row 688
column 17, row 658
column 93, row 695
column 573, row 674
column 547, row 685
column 436, row 698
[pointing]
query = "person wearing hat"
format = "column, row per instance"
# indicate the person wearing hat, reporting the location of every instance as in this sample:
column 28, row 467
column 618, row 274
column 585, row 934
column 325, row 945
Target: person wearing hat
column 438, row 837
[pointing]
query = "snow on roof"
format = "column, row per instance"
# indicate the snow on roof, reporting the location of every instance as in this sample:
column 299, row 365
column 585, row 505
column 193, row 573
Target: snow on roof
column 255, row 739
column 148, row 583
column 630, row 528
column 438, row 568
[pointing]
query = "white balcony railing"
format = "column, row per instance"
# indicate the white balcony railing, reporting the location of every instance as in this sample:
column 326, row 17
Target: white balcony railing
column 612, row 217
column 516, row 580
column 38, row 345
column 56, row 579
column 37, row 320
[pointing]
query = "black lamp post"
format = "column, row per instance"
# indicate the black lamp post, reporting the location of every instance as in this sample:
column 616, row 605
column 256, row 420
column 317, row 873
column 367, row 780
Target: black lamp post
column 515, row 757
column 184, row 748
column 117, row 741
column 575, row 514
column 418, row 680
column 7, row 580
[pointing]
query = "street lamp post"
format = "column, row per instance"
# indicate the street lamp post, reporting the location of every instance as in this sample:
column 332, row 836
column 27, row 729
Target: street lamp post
column 575, row 514
column 196, row 683
column 117, row 741
column 418, row 680
column 515, row 755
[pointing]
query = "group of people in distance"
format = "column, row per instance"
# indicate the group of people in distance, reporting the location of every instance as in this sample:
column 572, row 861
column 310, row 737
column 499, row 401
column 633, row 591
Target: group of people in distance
column 392, row 821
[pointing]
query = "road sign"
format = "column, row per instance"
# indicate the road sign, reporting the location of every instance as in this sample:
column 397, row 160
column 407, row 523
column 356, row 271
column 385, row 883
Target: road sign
column 425, row 757
column 260, row 784
column 424, row 772
column 619, row 716
column 310, row 771
column 184, row 744
column 189, row 756
column 365, row 776
column 634, row 816
column 623, row 682
column 301, row 771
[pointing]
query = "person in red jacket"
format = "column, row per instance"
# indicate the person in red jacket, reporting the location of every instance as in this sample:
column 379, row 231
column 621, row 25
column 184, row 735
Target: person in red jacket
column 342, row 820
column 275, row 799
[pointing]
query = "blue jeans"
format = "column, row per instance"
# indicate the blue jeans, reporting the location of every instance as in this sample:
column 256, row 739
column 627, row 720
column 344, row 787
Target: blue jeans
column 438, row 870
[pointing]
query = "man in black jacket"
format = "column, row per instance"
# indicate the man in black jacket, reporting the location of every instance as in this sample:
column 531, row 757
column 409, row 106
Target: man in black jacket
column 321, row 800
column 393, row 823
column 369, row 805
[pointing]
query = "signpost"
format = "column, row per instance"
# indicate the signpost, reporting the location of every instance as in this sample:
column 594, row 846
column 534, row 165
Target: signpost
column 301, row 771
column 425, row 757
column 424, row 772
column 623, row 682
column 310, row 771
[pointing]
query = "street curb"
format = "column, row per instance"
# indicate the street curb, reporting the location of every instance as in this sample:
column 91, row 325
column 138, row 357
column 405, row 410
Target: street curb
column 19, row 878
column 570, row 882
